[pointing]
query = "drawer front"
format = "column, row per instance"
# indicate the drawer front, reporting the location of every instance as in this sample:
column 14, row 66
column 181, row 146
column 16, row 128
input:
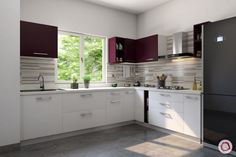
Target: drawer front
column 165, row 103
column 115, row 95
column 83, row 101
column 166, row 97
column 115, row 111
column 83, row 120
column 166, row 119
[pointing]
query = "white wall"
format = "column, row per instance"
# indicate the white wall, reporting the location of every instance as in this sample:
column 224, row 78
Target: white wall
column 79, row 16
column 10, row 72
column 181, row 15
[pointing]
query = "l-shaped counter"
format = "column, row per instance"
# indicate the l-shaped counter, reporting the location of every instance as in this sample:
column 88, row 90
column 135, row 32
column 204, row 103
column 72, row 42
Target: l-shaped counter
column 56, row 112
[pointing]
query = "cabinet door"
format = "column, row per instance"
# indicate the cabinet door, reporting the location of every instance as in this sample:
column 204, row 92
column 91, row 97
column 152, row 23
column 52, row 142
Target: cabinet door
column 139, row 106
column 112, row 50
column 147, row 49
column 128, row 107
column 115, row 107
column 37, row 40
column 129, row 50
column 41, row 116
column 192, row 115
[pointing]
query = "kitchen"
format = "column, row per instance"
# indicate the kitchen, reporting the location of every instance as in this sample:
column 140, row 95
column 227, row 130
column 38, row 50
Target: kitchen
column 130, row 121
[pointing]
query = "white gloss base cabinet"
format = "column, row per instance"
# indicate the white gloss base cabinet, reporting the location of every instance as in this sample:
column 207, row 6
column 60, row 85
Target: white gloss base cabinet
column 45, row 115
column 192, row 115
column 83, row 110
column 177, row 112
column 139, row 106
column 40, row 116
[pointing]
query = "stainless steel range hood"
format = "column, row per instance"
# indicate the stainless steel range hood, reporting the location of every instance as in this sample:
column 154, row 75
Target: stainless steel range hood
column 180, row 45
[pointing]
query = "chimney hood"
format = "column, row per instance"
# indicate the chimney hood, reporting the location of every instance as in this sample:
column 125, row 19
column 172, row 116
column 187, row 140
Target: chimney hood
column 180, row 45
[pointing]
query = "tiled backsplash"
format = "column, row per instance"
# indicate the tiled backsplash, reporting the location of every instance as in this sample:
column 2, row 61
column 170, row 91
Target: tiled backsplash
column 179, row 71
column 31, row 67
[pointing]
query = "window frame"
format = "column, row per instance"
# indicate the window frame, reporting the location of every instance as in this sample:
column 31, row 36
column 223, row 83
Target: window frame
column 104, row 58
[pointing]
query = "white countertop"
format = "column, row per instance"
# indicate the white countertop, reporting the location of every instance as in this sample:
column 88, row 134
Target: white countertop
column 63, row 91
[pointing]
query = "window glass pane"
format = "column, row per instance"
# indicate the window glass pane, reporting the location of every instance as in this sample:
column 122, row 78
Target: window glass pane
column 93, row 49
column 68, row 61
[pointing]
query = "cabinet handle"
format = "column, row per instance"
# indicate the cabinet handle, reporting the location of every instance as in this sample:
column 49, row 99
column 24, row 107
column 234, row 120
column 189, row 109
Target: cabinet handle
column 149, row 59
column 191, row 97
column 165, row 95
column 43, row 99
column 166, row 115
column 129, row 92
column 40, row 53
column 85, row 95
column 165, row 105
column 113, row 102
column 115, row 93
column 86, row 114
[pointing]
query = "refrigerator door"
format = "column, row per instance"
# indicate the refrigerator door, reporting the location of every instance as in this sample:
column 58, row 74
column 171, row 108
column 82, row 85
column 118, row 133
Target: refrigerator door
column 219, row 119
column 220, row 57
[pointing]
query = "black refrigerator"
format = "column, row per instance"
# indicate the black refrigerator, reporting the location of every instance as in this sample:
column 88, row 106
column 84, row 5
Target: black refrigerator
column 219, row 62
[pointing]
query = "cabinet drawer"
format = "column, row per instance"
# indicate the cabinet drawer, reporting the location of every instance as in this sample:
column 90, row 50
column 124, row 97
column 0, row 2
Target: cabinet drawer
column 83, row 120
column 115, row 95
column 165, row 97
column 166, row 119
column 83, row 101
column 164, row 104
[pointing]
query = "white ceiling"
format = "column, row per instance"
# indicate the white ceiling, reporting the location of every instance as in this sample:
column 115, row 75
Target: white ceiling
column 132, row 6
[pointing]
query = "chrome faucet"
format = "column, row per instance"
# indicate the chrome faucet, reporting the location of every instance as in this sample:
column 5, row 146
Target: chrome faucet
column 41, row 82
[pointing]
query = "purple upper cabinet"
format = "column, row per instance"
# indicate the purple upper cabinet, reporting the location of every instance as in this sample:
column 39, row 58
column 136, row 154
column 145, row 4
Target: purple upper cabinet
column 37, row 40
column 147, row 49
column 112, row 50
column 121, row 50
column 129, row 51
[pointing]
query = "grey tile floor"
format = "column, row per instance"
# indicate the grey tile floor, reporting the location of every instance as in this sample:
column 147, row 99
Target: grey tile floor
column 127, row 141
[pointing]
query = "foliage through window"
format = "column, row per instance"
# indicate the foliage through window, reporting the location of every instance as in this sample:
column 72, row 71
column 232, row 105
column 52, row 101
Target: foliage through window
column 81, row 55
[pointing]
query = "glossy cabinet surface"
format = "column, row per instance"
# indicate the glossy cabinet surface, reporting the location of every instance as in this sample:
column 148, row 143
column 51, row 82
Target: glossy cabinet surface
column 38, row 40
column 139, row 106
column 134, row 51
column 40, row 116
column 176, row 112
column 147, row 49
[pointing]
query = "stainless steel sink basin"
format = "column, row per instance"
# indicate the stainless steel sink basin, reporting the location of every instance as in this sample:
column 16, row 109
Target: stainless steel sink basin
column 39, row 90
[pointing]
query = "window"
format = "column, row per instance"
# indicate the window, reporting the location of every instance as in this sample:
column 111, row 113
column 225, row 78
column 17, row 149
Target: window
column 81, row 55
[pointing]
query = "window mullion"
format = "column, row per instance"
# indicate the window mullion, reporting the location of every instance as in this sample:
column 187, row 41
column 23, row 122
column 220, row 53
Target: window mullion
column 81, row 57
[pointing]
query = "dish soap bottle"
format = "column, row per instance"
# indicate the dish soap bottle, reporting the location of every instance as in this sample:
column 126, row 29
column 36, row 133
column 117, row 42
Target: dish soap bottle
column 194, row 86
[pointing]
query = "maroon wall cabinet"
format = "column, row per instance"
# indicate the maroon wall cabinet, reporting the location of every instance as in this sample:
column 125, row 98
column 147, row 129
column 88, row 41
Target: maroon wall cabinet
column 147, row 49
column 133, row 51
column 129, row 51
column 37, row 40
column 121, row 50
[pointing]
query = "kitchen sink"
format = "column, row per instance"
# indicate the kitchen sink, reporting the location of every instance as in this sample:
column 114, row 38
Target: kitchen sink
column 40, row 90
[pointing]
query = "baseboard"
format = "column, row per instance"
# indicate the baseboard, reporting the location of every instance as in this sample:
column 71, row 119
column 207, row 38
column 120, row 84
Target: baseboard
column 74, row 133
column 9, row 148
column 216, row 148
column 193, row 139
